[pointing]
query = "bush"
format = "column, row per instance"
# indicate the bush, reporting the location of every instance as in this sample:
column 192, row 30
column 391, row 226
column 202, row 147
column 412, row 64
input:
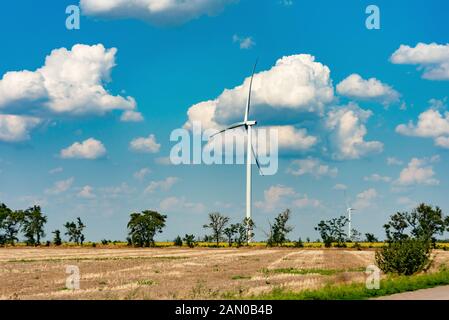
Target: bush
column 299, row 243
column 190, row 240
column 105, row 242
column 178, row 241
column 405, row 257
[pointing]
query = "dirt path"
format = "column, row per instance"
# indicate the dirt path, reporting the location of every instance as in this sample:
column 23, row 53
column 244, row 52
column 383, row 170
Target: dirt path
column 439, row 293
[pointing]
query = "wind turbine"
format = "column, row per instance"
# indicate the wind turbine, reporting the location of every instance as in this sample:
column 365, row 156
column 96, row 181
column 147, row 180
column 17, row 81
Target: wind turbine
column 247, row 124
column 349, row 211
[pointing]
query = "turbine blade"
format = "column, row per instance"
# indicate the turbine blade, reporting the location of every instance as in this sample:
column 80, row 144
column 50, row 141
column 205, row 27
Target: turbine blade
column 234, row 126
column 250, row 89
column 257, row 161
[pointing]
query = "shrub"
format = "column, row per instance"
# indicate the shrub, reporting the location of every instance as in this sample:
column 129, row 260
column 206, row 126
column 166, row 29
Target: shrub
column 104, row 242
column 190, row 240
column 404, row 257
column 178, row 241
column 299, row 243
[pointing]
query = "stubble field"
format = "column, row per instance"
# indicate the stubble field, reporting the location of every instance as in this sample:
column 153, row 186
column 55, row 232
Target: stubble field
column 178, row 273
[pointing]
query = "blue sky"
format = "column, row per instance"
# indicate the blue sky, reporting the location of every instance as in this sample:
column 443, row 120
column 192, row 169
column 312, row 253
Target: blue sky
column 172, row 58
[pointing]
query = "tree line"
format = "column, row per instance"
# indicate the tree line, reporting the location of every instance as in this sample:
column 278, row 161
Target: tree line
column 31, row 223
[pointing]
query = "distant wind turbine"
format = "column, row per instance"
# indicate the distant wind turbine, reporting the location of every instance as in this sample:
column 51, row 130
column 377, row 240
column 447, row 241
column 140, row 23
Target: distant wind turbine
column 349, row 211
column 247, row 124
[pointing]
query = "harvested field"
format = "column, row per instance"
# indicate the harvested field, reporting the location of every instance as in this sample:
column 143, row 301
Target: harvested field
column 177, row 273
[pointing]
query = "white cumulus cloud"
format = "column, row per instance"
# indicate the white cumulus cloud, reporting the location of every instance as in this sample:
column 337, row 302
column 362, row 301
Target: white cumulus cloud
column 145, row 144
column 60, row 187
column 181, row 205
column 365, row 199
column 158, row 12
column 163, row 185
column 296, row 83
column 418, row 172
column 244, row 42
column 348, row 131
column 86, row 192
column 431, row 124
column 279, row 196
column 313, row 167
column 89, row 149
column 432, row 58
column 356, row 87
column 142, row 173
column 16, row 128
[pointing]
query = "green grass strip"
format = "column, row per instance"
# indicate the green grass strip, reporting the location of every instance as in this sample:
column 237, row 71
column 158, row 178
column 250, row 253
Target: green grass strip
column 323, row 272
column 358, row 291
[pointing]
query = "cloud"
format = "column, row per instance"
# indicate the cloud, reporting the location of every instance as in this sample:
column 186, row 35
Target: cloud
column 163, row 161
column 377, row 178
column 60, row 187
column 145, row 145
column 244, row 42
column 291, row 138
column 348, row 131
column 432, row 58
column 16, row 128
column 340, row 186
column 431, row 124
column 392, row 161
column 131, row 116
column 296, row 84
column 286, row 3
column 279, row 196
column 70, row 82
column 157, row 12
column 56, row 170
column 86, row 192
column 305, row 201
column 88, row 149
column 406, row 201
column 311, row 166
column 163, row 185
column 418, row 172
column 114, row 192
column 142, row 173
column 365, row 199
column 356, row 87
column 181, row 205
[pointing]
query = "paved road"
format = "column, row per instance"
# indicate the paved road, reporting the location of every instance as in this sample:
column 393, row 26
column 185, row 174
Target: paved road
column 438, row 293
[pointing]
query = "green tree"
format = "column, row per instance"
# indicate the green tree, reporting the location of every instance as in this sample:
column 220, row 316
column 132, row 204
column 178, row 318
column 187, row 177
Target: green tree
column 178, row 241
column 230, row 232
column 217, row 224
column 424, row 223
column 11, row 222
column 144, row 226
column 4, row 213
column 279, row 229
column 33, row 225
column 74, row 230
column 410, row 238
column 57, row 238
column 371, row 238
column 190, row 240
column 333, row 231
column 243, row 232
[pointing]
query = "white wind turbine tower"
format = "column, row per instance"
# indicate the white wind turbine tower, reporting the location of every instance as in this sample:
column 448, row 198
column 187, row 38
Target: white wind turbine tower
column 349, row 211
column 247, row 124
